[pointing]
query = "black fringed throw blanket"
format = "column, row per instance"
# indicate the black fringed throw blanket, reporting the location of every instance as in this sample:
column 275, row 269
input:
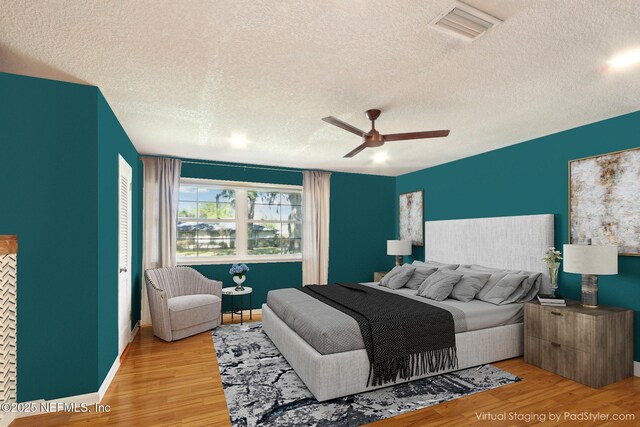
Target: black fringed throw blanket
column 402, row 336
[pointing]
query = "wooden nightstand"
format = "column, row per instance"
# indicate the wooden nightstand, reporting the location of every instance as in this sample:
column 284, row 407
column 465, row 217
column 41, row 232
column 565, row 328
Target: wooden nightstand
column 593, row 346
column 378, row 275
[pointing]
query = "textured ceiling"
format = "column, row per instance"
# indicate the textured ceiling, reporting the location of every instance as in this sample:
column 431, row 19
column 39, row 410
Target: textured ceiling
column 183, row 77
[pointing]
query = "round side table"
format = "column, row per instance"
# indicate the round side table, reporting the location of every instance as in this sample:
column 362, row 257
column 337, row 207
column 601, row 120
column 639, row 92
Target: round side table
column 231, row 292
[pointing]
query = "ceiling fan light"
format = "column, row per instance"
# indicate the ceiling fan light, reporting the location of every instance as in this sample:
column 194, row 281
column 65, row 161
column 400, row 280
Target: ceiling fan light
column 374, row 139
column 380, row 157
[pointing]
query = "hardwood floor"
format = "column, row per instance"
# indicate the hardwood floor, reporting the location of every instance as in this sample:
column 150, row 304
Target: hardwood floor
column 159, row 384
column 178, row 384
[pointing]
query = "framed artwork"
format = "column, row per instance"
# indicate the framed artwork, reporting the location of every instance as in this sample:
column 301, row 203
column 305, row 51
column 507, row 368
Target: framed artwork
column 411, row 217
column 604, row 205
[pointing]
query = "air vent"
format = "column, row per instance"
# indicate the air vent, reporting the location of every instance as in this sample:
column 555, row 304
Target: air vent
column 464, row 21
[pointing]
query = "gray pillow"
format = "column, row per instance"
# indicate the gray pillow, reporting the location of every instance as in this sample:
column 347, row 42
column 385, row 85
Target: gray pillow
column 390, row 273
column 469, row 286
column 528, row 288
column 385, row 279
column 397, row 277
column 435, row 264
column 419, row 275
column 494, row 278
column 468, row 269
column 439, row 285
column 483, row 268
column 504, row 290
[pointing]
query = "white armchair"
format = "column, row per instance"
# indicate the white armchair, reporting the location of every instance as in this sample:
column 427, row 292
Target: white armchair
column 182, row 302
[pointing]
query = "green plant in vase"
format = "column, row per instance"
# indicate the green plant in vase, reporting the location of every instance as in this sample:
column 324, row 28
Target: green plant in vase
column 552, row 258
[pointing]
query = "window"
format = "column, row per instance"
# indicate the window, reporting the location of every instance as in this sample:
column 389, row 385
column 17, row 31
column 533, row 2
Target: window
column 222, row 221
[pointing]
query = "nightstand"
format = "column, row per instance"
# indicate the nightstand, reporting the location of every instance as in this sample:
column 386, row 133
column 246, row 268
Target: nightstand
column 233, row 293
column 593, row 346
column 378, row 275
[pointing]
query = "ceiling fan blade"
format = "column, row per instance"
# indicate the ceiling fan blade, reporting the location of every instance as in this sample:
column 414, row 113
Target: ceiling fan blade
column 344, row 125
column 416, row 135
column 355, row 151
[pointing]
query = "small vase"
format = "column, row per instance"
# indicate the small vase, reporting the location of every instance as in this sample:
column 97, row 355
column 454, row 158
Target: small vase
column 553, row 276
column 239, row 281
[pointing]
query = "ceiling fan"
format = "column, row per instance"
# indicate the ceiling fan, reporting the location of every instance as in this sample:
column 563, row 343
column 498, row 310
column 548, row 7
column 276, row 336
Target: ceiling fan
column 373, row 138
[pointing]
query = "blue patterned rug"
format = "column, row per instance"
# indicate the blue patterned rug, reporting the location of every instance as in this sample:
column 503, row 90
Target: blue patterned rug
column 261, row 388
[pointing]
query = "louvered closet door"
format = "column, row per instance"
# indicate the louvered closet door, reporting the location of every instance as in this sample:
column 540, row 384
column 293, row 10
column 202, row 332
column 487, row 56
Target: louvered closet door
column 124, row 255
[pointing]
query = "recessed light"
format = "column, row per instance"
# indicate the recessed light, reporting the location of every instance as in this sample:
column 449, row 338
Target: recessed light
column 380, row 157
column 238, row 140
column 625, row 60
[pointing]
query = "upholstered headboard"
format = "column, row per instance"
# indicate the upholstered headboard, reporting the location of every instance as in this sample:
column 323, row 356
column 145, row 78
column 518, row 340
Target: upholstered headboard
column 511, row 242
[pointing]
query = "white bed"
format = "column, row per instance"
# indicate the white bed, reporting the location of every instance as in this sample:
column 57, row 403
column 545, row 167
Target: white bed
column 517, row 242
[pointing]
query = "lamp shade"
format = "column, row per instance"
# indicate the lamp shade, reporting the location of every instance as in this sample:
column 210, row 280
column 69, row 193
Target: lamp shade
column 590, row 259
column 398, row 247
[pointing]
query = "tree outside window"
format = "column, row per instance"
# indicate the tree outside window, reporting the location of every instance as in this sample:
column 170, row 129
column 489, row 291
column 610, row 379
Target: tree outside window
column 243, row 222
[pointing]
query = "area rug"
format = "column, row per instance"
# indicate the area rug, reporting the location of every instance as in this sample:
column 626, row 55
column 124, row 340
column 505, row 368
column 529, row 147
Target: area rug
column 261, row 388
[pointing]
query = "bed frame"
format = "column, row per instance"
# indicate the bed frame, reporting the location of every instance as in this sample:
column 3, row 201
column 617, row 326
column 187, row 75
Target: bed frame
column 516, row 242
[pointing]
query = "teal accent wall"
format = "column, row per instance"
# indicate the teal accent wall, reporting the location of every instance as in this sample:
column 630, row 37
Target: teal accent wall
column 61, row 200
column 361, row 221
column 531, row 178
column 112, row 142
column 48, row 181
column 360, row 224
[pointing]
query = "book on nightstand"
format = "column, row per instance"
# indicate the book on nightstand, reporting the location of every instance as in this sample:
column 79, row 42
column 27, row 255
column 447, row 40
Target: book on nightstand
column 552, row 300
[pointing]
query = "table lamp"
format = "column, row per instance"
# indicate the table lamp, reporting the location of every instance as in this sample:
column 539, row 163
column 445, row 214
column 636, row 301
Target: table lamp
column 590, row 261
column 399, row 248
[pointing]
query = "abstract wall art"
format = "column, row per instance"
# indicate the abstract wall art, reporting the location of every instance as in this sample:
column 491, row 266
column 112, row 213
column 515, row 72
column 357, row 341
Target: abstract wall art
column 604, row 200
column 411, row 217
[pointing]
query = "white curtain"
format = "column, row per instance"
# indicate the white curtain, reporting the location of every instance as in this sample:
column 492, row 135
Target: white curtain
column 315, row 228
column 160, row 214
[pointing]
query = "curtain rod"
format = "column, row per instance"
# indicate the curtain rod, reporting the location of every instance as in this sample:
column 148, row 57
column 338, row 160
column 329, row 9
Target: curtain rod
column 230, row 165
column 241, row 166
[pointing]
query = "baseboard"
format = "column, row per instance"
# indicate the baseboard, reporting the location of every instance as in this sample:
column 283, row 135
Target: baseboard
column 132, row 336
column 134, row 332
column 636, row 369
column 43, row 406
column 7, row 418
column 107, row 380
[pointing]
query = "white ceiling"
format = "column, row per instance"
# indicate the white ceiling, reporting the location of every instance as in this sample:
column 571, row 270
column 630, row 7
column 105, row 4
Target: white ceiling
column 183, row 77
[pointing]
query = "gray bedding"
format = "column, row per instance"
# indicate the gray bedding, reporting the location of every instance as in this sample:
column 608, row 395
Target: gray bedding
column 331, row 331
